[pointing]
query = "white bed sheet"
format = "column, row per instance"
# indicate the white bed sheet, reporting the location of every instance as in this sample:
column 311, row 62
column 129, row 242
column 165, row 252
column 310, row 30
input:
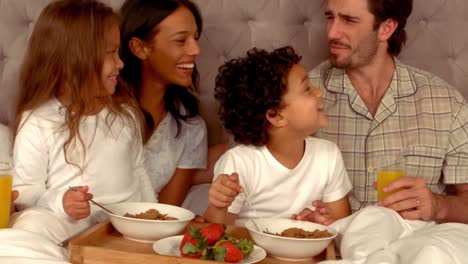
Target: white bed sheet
column 20, row 246
column 378, row 235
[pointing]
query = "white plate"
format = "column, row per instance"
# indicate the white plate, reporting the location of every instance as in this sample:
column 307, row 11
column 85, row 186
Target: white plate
column 169, row 246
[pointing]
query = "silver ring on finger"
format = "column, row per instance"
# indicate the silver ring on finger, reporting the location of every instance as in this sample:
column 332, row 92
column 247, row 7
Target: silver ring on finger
column 418, row 204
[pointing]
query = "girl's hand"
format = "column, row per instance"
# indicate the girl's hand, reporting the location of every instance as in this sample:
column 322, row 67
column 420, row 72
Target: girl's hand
column 224, row 190
column 76, row 202
column 320, row 215
column 14, row 196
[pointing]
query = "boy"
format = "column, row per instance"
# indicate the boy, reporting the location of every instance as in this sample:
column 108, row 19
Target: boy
column 269, row 106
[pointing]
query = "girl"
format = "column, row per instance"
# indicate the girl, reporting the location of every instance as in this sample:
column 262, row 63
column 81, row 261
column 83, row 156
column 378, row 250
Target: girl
column 271, row 109
column 159, row 48
column 72, row 127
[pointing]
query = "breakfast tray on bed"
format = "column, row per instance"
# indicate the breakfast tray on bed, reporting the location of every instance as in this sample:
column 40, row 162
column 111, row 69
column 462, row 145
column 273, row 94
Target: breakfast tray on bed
column 103, row 244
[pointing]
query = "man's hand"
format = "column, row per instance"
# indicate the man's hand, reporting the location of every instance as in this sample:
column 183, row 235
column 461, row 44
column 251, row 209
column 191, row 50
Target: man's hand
column 14, row 196
column 415, row 201
column 76, row 202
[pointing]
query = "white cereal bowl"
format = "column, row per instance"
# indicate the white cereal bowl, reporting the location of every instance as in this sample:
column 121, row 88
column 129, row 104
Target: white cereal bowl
column 287, row 248
column 143, row 230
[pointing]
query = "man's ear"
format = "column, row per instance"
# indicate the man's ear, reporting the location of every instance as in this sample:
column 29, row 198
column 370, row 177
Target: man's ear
column 275, row 118
column 138, row 48
column 387, row 28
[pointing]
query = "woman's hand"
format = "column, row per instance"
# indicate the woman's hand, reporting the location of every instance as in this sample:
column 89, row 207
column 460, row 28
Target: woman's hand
column 76, row 202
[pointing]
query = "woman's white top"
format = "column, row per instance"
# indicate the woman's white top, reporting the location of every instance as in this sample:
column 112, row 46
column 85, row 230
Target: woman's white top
column 164, row 152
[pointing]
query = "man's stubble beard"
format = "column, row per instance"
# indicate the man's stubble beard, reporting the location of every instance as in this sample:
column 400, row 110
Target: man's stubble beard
column 362, row 55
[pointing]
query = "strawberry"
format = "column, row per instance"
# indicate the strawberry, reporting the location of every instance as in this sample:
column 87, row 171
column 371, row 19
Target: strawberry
column 228, row 252
column 212, row 233
column 245, row 246
column 192, row 246
column 190, row 250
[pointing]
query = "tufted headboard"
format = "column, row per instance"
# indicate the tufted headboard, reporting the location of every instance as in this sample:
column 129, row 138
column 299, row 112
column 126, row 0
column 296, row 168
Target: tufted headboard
column 437, row 29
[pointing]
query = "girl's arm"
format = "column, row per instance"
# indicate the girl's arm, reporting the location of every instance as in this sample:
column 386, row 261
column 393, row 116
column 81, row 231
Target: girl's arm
column 31, row 158
column 144, row 181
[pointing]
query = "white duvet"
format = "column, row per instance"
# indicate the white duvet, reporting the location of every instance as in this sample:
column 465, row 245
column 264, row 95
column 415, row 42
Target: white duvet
column 373, row 235
column 378, row 235
column 20, row 246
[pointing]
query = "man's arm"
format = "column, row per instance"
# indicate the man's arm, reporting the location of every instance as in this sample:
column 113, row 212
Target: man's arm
column 453, row 207
column 416, row 201
column 14, row 195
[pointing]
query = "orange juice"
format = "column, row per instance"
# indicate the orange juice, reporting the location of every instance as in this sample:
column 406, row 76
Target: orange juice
column 384, row 177
column 5, row 200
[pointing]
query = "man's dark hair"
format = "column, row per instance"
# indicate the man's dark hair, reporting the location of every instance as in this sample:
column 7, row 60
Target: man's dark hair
column 399, row 10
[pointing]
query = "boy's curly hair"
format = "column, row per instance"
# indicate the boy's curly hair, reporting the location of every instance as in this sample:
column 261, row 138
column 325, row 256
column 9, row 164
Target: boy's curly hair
column 248, row 87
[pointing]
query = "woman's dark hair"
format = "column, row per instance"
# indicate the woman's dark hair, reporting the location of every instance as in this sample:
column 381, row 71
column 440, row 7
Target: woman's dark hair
column 139, row 19
column 399, row 10
column 248, row 87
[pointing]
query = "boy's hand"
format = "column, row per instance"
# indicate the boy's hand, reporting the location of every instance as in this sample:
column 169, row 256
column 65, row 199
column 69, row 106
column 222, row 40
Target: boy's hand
column 76, row 202
column 14, row 196
column 321, row 214
column 224, row 190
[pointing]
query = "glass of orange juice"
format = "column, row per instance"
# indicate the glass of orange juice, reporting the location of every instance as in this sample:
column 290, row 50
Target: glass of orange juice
column 5, row 193
column 385, row 176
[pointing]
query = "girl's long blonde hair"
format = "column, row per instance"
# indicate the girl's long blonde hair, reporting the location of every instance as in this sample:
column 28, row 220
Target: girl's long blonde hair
column 65, row 55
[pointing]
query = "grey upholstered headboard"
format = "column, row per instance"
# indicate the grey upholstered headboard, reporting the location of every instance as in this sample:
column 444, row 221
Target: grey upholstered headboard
column 438, row 40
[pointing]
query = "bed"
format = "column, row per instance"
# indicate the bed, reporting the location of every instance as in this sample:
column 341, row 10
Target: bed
column 438, row 42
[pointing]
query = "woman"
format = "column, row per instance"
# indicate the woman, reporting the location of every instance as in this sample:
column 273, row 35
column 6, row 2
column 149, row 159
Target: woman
column 159, row 48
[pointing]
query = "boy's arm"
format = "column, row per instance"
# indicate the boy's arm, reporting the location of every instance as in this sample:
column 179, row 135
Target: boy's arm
column 219, row 215
column 325, row 213
column 339, row 208
column 222, row 193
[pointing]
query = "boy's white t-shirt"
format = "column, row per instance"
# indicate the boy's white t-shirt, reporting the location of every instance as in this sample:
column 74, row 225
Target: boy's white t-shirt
column 275, row 191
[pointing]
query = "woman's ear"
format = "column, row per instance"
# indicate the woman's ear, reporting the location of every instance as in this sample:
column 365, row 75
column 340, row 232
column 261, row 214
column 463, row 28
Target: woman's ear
column 275, row 118
column 387, row 28
column 138, row 48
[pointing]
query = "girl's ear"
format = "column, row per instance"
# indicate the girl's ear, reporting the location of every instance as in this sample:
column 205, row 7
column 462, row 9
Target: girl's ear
column 275, row 118
column 138, row 48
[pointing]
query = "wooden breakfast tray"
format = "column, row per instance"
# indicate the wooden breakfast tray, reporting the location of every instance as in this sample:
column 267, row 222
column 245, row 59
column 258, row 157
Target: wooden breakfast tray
column 103, row 244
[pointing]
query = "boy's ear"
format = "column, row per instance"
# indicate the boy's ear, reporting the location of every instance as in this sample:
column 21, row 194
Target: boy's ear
column 275, row 118
column 138, row 48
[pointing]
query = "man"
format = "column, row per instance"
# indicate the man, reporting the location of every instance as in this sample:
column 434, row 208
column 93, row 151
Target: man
column 381, row 111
